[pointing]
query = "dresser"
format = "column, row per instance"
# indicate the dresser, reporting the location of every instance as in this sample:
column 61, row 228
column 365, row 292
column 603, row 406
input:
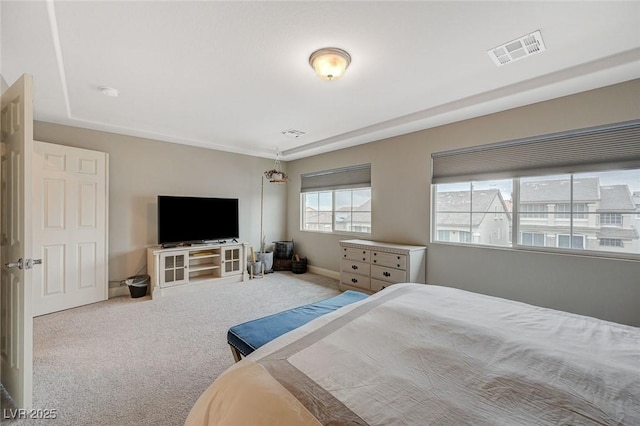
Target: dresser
column 373, row 265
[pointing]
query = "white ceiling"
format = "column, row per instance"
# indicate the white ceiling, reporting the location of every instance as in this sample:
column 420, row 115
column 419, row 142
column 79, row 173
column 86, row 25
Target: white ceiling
column 233, row 75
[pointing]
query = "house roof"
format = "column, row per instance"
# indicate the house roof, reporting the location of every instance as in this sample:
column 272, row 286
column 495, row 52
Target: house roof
column 617, row 233
column 559, row 190
column 616, row 198
column 454, row 207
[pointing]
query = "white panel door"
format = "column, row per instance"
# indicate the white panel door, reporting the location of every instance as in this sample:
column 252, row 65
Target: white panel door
column 69, row 227
column 16, row 320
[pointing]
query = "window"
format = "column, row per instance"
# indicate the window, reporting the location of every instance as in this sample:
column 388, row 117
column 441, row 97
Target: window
column 337, row 211
column 532, row 239
column 569, row 242
column 576, row 190
column 611, row 242
column 318, row 211
column 563, row 211
column 473, row 211
column 444, row 235
column 464, row 236
column 352, row 210
column 614, row 219
column 533, row 211
column 337, row 200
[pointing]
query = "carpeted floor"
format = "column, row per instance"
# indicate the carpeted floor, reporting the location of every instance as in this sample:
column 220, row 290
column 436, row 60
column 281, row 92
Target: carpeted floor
column 145, row 362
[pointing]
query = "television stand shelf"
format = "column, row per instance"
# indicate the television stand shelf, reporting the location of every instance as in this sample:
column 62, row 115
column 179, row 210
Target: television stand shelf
column 188, row 267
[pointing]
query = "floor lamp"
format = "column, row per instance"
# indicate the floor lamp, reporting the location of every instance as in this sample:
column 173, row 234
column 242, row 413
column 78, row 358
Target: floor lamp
column 275, row 175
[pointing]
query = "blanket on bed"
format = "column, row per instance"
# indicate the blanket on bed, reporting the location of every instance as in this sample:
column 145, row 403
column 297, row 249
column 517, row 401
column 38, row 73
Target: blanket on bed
column 417, row 354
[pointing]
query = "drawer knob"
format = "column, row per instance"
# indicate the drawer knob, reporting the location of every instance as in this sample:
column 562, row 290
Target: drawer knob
column 354, row 266
column 375, row 261
column 386, row 274
column 353, row 280
column 364, row 258
column 398, row 265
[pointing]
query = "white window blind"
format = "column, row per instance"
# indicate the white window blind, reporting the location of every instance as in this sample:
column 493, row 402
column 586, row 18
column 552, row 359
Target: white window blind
column 598, row 148
column 342, row 178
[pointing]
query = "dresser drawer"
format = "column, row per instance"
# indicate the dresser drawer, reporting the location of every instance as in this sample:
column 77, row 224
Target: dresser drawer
column 388, row 274
column 355, row 267
column 355, row 280
column 353, row 253
column 398, row 261
column 377, row 285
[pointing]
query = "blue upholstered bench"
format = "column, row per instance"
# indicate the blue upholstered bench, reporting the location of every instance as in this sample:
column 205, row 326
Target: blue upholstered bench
column 246, row 337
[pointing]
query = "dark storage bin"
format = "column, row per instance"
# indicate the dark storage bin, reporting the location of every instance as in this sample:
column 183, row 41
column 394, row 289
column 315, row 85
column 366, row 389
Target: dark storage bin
column 138, row 285
column 283, row 250
column 282, row 264
column 299, row 266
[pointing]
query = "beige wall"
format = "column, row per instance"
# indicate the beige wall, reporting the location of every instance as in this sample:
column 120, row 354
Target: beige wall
column 141, row 169
column 400, row 175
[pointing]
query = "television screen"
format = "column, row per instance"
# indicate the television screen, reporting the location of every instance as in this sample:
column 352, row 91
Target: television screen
column 196, row 219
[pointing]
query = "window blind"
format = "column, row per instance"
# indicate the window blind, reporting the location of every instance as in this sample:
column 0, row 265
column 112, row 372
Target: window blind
column 342, row 178
column 598, row 148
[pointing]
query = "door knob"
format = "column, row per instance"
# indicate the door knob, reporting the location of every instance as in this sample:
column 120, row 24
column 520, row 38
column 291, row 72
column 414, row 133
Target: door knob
column 30, row 262
column 24, row 264
column 17, row 264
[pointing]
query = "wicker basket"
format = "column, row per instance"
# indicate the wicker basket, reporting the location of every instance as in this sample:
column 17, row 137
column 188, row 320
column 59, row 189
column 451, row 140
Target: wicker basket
column 299, row 266
column 282, row 264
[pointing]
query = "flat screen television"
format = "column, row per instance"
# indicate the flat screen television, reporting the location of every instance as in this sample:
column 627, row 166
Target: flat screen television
column 196, row 219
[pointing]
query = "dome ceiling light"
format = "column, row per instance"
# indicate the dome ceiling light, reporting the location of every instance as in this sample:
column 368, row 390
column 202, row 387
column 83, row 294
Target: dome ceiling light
column 330, row 62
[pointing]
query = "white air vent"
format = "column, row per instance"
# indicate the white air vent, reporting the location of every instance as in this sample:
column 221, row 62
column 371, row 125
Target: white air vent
column 517, row 49
column 293, row 133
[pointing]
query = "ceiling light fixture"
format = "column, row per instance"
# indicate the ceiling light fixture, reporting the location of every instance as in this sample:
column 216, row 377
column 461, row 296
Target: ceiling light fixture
column 109, row 91
column 330, row 62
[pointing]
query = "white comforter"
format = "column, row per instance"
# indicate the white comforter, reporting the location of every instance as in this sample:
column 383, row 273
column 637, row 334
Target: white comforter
column 416, row 354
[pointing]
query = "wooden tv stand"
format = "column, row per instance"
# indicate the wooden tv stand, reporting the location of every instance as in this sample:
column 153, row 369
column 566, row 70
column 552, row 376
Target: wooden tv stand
column 182, row 268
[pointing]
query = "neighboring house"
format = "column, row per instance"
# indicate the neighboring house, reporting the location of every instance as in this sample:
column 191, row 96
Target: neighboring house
column 317, row 220
column 603, row 216
column 636, row 201
column 488, row 223
column 356, row 220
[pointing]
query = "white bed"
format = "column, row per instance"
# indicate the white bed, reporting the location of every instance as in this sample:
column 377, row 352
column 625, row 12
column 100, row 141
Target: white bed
column 416, row 354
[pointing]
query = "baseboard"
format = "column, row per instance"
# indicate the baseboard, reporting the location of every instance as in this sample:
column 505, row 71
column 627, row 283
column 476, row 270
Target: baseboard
column 324, row 272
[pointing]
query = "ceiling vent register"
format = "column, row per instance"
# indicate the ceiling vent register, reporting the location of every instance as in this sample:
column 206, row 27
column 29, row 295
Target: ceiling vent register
column 519, row 48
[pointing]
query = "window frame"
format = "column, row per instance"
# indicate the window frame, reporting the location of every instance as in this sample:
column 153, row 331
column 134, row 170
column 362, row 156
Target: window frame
column 619, row 242
column 332, row 212
column 571, row 239
column 611, row 215
column 600, row 149
column 515, row 244
column 533, row 235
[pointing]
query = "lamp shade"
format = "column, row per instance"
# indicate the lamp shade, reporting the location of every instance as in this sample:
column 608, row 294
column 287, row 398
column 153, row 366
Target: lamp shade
column 330, row 62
